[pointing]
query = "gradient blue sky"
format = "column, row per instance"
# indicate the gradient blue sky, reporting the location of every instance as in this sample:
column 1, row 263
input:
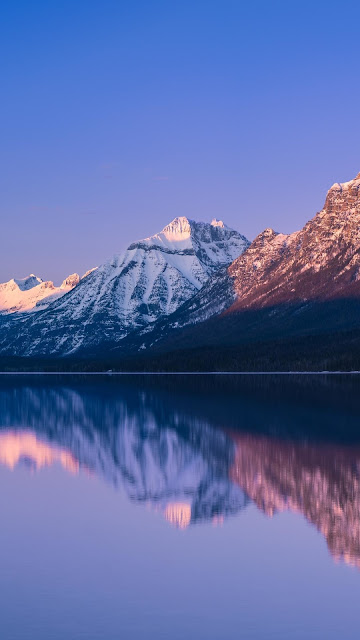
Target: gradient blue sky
column 118, row 116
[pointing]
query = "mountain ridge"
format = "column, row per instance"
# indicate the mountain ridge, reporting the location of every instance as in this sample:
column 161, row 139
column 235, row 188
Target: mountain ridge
column 151, row 278
column 31, row 293
column 180, row 292
column 279, row 276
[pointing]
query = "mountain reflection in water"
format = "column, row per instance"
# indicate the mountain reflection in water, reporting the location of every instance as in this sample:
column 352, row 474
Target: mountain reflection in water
column 200, row 450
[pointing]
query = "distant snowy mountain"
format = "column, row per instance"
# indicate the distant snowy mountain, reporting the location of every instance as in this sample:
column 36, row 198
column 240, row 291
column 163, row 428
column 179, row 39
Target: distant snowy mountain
column 32, row 293
column 151, row 279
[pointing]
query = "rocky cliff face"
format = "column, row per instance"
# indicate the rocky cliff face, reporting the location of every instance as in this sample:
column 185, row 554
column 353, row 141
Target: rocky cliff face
column 152, row 278
column 319, row 262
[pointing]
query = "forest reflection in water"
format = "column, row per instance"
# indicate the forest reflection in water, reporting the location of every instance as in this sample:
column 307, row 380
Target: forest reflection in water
column 200, row 449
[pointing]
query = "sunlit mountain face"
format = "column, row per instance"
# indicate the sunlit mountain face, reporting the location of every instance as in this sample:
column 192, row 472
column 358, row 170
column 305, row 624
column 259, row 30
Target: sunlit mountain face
column 173, row 451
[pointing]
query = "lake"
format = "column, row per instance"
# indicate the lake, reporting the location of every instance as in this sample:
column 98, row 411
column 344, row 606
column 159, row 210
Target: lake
column 207, row 507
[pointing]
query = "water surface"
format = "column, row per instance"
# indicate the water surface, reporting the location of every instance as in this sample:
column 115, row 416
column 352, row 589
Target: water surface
column 175, row 506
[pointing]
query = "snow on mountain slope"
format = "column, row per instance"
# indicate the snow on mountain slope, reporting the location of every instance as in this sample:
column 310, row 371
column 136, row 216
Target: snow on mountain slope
column 152, row 278
column 317, row 263
column 32, row 293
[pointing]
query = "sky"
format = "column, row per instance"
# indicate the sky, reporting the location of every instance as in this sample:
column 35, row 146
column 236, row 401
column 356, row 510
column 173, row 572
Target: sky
column 119, row 115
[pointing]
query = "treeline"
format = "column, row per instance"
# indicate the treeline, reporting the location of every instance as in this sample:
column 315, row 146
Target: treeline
column 338, row 351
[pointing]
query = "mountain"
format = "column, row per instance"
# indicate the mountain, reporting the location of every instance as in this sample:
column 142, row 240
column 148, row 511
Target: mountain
column 32, row 293
column 320, row 262
column 282, row 285
column 152, row 278
column 173, row 301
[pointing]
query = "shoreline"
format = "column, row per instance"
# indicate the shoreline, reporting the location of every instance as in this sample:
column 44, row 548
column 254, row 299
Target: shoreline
column 177, row 373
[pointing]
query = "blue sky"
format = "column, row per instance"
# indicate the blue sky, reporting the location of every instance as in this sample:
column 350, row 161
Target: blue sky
column 118, row 116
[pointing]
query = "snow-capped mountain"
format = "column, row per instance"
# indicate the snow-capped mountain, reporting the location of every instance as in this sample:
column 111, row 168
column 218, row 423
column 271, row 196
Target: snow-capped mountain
column 32, row 293
column 321, row 262
column 152, row 278
column 177, row 290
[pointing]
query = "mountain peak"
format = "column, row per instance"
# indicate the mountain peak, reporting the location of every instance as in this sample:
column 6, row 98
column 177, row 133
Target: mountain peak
column 87, row 273
column 150, row 279
column 25, row 294
column 180, row 226
column 265, row 236
column 24, row 284
column 340, row 186
column 217, row 223
column 344, row 197
column 71, row 281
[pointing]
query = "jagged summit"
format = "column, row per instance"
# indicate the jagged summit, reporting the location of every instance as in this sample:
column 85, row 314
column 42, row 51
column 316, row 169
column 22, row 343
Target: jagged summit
column 71, row 281
column 316, row 262
column 183, row 233
column 343, row 196
column 180, row 226
column 343, row 199
column 217, row 223
column 346, row 185
column 174, row 236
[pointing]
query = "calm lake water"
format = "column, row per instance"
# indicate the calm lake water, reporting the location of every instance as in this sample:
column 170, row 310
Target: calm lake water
column 205, row 507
